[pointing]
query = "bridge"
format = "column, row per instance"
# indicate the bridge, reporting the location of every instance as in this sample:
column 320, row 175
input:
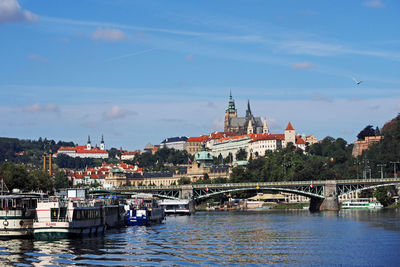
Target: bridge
column 323, row 194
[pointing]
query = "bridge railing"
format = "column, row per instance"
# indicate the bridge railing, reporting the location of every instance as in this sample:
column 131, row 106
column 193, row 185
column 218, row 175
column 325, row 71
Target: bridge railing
column 260, row 184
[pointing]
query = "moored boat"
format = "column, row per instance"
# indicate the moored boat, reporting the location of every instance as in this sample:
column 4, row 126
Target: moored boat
column 17, row 212
column 361, row 204
column 177, row 207
column 143, row 210
column 74, row 216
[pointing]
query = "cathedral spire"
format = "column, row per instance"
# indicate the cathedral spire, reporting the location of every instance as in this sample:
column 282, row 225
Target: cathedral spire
column 231, row 106
column 248, row 110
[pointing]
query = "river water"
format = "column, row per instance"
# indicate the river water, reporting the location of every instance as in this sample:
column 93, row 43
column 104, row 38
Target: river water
column 347, row 238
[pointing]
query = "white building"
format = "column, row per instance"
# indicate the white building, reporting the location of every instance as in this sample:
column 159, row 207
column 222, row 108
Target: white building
column 262, row 143
column 85, row 151
column 177, row 143
column 231, row 145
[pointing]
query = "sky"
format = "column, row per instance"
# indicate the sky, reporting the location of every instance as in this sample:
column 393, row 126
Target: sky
column 142, row 71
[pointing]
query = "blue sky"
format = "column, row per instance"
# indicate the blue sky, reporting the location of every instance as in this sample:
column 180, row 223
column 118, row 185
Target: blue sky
column 142, row 71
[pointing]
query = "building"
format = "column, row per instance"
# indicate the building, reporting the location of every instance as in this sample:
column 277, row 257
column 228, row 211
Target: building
column 194, row 144
column 229, row 146
column 84, row 151
column 266, row 142
column 242, row 125
column 130, row 155
column 177, row 143
column 148, row 147
column 360, row 146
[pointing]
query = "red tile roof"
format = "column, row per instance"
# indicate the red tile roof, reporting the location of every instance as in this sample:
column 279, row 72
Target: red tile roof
column 289, row 127
column 268, row 137
column 300, row 141
column 201, row 138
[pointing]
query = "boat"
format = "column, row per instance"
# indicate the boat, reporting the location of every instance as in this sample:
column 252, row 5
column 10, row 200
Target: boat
column 17, row 211
column 74, row 216
column 143, row 210
column 361, row 204
column 177, row 207
column 254, row 204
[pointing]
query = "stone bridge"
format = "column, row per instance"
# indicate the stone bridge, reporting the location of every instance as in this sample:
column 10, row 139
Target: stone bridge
column 323, row 194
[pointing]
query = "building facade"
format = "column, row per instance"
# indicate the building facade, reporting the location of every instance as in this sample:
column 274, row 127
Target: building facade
column 177, row 143
column 84, row 151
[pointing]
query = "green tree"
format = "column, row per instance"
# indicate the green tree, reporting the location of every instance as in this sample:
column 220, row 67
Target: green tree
column 384, row 195
column 42, row 181
column 61, row 180
column 367, row 131
column 184, row 180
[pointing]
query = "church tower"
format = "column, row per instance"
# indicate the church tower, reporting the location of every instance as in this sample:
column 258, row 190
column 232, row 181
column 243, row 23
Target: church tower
column 265, row 127
column 102, row 143
column 88, row 145
column 250, row 128
column 230, row 112
column 290, row 134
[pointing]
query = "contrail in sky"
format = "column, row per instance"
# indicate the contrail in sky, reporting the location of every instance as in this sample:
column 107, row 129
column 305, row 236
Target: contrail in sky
column 133, row 54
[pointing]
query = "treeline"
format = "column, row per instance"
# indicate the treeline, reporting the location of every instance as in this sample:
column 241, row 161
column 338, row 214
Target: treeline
column 160, row 160
column 17, row 176
column 28, row 152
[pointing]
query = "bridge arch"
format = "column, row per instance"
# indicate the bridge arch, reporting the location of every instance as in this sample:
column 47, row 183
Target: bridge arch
column 205, row 195
column 344, row 191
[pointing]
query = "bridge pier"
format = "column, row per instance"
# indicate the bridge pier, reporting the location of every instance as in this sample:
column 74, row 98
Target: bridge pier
column 186, row 192
column 331, row 200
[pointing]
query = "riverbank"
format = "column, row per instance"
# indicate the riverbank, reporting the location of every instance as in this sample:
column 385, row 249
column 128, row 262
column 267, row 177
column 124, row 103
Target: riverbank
column 274, row 206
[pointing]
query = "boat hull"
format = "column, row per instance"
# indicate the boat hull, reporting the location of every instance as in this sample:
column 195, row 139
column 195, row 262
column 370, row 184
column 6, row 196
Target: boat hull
column 65, row 230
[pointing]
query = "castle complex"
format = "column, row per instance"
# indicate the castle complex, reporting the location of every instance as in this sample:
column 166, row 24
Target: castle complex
column 243, row 125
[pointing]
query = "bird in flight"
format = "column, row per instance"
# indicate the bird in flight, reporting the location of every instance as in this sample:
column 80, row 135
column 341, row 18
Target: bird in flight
column 357, row 82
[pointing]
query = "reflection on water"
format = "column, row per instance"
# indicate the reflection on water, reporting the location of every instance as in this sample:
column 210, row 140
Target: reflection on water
column 347, row 237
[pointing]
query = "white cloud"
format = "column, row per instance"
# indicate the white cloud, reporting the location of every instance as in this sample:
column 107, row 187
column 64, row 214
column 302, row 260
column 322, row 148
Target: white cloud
column 303, row 65
column 10, row 11
column 189, row 57
column 321, row 97
column 374, row 3
column 42, row 108
column 116, row 112
column 107, row 34
column 37, row 58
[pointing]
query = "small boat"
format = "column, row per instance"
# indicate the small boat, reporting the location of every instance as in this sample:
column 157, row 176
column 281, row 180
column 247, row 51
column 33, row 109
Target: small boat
column 143, row 210
column 177, row 207
column 17, row 212
column 254, row 205
column 361, row 204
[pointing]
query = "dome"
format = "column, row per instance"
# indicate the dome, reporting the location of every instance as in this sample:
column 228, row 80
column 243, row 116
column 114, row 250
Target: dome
column 203, row 156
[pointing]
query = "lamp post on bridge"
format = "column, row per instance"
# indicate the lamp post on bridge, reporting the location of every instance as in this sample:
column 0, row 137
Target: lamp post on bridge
column 381, row 171
column 366, row 168
column 394, row 168
column 357, row 162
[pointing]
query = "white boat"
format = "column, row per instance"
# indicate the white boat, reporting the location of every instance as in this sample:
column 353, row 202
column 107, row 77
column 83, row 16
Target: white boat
column 361, row 204
column 177, row 207
column 17, row 212
column 254, row 205
column 75, row 216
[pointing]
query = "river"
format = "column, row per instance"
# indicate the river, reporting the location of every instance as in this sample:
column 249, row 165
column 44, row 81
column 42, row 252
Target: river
column 347, row 238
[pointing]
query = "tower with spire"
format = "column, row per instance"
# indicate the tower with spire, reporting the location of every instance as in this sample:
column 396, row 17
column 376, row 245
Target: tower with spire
column 290, row 134
column 102, row 147
column 89, row 144
column 265, row 127
column 230, row 112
